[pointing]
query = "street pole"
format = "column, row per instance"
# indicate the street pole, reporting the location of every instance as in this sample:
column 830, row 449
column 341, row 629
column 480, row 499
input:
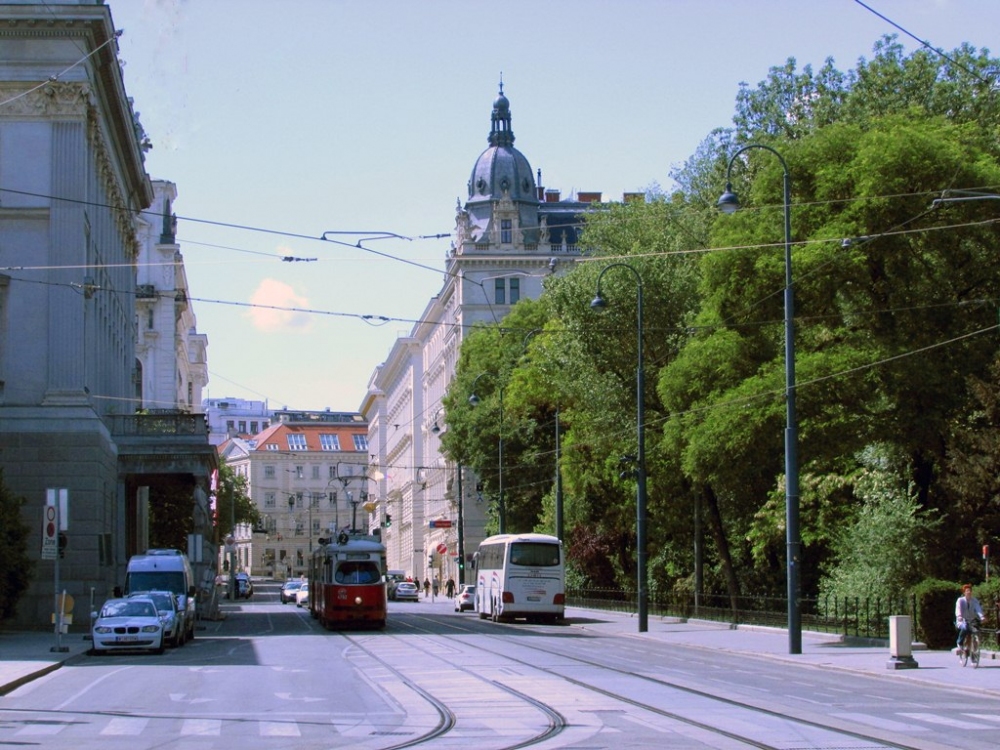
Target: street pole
column 461, row 529
column 642, row 593
column 728, row 203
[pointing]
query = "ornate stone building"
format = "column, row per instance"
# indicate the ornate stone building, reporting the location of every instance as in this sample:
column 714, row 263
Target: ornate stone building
column 72, row 186
column 510, row 234
column 171, row 356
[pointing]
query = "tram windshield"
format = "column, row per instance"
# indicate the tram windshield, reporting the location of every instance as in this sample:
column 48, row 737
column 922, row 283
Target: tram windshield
column 358, row 572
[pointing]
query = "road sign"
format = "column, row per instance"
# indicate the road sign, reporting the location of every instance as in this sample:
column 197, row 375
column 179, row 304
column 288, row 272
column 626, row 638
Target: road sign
column 442, row 548
column 50, row 534
column 441, row 524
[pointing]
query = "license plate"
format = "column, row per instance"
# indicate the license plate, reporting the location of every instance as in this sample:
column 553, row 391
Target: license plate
column 534, row 598
column 126, row 638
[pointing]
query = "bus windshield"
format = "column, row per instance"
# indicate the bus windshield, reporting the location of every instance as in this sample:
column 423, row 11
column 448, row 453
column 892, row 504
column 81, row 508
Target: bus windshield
column 534, row 554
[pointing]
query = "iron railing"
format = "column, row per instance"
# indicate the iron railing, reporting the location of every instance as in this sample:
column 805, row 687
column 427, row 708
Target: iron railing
column 850, row 616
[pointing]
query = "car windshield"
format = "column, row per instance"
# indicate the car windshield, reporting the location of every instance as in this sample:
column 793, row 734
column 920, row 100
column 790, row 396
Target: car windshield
column 129, row 608
column 164, row 602
column 292, row 584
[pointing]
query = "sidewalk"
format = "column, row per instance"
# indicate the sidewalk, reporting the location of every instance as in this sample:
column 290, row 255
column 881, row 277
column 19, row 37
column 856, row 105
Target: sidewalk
column 25, row 656
column 819, row 650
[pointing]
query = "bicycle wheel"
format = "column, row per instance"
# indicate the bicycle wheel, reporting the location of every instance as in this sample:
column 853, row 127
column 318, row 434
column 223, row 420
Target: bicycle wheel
column 974, row 651
column 964, row 656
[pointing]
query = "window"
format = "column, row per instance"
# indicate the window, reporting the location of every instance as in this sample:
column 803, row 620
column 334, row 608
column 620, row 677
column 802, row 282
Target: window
column 515, row 291
column 315, row 472
column 300, row 472
column 360, row 442
column 243, row 427
column 296, row 442
column 268, row 499
column 272, row 447
column 505, row 233
column 333, row 472
column 330, row 443
column 253, row 428
column 500, row 291
column 230, row 425
column 268, row 472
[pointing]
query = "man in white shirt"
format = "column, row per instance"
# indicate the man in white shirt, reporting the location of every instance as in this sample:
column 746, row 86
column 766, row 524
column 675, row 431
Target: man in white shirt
column 966, row 608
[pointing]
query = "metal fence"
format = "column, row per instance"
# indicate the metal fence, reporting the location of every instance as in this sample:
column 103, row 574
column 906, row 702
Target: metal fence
column 857, row 617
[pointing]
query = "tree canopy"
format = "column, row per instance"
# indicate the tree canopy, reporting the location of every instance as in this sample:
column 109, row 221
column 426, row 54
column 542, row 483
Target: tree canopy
column 896, row 293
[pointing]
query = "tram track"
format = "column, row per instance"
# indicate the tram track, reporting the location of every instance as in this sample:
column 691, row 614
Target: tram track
column 448, row 720
column 796, row 720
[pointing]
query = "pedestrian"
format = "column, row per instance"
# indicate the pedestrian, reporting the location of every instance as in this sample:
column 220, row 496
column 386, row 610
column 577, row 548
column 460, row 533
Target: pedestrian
column 435, row 587
column 450, row 587
column 427, row 588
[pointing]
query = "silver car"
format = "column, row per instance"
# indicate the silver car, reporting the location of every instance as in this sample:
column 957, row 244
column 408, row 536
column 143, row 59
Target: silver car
column 166, row 605
column 127, row 625
column 406, row 591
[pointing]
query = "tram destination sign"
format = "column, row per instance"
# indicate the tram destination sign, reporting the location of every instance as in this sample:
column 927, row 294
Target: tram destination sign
column 440, row 524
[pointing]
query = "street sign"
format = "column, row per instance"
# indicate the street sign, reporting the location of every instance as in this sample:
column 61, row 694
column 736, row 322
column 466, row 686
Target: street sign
column 50, row 534
column 441, row 524
column 442, row 548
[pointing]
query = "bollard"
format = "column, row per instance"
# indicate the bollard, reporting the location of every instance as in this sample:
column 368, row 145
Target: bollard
column 901, row 643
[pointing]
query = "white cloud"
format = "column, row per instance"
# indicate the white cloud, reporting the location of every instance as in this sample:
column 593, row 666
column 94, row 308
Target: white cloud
column 273, row 298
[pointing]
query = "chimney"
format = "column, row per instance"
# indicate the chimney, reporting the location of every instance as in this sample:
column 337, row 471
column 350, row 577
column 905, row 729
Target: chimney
column 539, row 188
column 551, row 196
column 588, row 197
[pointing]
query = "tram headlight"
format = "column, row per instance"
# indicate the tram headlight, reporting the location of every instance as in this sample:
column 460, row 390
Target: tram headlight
column 357, row 601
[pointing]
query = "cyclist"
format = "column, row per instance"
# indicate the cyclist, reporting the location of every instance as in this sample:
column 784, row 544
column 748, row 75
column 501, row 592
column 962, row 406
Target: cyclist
column 966, row 609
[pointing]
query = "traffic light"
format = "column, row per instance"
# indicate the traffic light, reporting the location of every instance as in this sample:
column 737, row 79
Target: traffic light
column 388, row 520
column 430, row 561
column 63, row 543
column 461, row 564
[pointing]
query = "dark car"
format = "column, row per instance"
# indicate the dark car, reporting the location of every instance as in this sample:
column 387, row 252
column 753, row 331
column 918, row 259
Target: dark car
column 244, row 586
column 288, row 591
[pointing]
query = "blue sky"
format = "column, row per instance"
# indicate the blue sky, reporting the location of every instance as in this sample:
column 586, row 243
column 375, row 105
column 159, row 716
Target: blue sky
column 280, row 121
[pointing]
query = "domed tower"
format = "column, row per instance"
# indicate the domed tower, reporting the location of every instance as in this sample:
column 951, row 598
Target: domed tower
column 502, row 206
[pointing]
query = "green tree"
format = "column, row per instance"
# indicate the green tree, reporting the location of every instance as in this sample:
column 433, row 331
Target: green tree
column 883, row 552
column 16, row 566
column 233, row 503
column 868, row 172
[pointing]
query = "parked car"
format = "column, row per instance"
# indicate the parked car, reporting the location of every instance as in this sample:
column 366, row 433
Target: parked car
column 288, row 590
column 127, row 625
column 166, row 606
column 406, row 591
column 302, row 595
column 465, row 599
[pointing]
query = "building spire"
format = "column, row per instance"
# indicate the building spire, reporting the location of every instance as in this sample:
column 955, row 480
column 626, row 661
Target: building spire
column 500, row 132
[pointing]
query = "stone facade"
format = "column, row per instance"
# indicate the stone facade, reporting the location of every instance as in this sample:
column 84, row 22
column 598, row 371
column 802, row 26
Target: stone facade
column 72, row 184
column 510, row 235
column 172, row 357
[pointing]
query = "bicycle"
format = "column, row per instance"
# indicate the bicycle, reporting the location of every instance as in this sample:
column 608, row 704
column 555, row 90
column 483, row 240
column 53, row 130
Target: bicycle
column 970, row 645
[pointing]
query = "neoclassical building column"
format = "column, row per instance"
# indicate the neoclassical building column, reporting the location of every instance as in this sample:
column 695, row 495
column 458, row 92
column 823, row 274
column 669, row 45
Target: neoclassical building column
column 68, row 237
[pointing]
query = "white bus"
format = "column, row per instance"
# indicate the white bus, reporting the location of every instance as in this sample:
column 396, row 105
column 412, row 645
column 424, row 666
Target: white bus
column 520, row 575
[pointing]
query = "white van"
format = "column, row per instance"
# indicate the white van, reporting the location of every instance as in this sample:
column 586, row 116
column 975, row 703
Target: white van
column 165, row 570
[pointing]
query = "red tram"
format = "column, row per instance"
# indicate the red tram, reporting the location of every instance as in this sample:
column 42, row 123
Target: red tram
column 347, row 581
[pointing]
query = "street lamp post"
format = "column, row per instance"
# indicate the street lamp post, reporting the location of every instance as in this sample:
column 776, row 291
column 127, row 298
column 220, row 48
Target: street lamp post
column 599, row 303
column 474, row 400
column 436, row 429
column 729, row 203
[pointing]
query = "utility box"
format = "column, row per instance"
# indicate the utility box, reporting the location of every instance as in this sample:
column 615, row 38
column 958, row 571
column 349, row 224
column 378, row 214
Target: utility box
column 901, row 643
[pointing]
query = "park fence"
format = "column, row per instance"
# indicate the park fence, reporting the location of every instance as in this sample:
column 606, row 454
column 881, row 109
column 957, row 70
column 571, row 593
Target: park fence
column 849, row 616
